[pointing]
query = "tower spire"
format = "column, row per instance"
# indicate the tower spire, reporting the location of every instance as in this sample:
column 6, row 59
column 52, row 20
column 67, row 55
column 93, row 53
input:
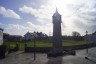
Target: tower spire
column 56, row 10
column 56, row 13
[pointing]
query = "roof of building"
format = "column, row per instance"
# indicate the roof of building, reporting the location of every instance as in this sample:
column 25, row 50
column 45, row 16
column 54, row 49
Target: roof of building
column 33, row 34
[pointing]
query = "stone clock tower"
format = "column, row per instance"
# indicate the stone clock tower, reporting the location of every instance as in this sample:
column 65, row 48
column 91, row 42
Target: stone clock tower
column 57, row 38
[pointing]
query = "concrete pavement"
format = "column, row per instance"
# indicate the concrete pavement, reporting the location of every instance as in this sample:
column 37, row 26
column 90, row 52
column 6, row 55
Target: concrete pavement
column 27, row 58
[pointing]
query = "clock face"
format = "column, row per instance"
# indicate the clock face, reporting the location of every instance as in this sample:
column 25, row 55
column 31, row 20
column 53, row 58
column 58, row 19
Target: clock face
column 58, row 18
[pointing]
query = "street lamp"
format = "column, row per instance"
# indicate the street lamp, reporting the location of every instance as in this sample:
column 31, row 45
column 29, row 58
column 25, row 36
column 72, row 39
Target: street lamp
column 25, row 42
column 86, row 41
column 34, row 49
column 35, row 36
column 86, row 45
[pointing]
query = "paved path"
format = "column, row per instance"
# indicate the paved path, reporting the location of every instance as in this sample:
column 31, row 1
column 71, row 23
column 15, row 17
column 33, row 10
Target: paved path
column 27, row 58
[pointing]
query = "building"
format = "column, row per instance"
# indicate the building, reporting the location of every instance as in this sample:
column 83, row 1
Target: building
column 37, row 35
column 1, row 36
column 29, row 36
column 90, row 37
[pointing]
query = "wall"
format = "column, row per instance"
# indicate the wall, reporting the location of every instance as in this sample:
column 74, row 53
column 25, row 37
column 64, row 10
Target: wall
column 65, row 48
column 1, row 37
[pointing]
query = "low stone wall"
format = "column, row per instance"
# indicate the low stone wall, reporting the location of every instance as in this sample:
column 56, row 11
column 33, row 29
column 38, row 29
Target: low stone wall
column 76, row 47
column 65, row 48
column 38, row 49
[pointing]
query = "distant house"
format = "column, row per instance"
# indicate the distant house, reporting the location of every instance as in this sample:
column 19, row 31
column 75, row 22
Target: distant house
column 30, row 36
column 90, row 37
column 37, row 35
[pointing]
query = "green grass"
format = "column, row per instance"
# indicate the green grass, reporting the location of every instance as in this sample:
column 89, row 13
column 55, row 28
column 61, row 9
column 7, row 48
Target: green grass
column 40, row 44
column 71, row 43
column 13, row 44
column 45, row 44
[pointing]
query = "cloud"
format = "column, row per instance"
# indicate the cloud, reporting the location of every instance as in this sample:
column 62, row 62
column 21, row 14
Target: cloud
column 83, row 16
column 42, row 12
column 15, row 26
column 1, row 23
column 77, row 15
column 18, row 29
column 8, row 13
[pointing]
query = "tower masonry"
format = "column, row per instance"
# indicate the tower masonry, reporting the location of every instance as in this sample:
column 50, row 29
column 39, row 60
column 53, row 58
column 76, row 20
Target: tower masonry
column 57, row 38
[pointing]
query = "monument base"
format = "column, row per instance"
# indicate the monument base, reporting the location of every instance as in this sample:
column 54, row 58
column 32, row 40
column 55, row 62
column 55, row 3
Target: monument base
column 54, row 54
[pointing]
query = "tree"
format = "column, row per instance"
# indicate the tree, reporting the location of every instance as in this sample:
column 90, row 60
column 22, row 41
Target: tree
column 74, row 33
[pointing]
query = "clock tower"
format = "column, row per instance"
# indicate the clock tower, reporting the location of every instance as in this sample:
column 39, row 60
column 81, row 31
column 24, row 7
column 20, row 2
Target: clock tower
column 57, row 38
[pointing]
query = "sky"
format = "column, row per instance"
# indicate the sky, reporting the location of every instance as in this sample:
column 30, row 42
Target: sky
column 20, row 16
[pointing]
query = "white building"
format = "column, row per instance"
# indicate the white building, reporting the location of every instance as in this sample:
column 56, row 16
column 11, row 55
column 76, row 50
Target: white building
column 1, row 36
column 90, row 37
column 30, row 36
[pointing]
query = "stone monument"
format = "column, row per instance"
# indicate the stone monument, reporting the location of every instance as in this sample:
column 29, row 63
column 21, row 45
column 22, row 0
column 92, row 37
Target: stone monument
column 57, row 49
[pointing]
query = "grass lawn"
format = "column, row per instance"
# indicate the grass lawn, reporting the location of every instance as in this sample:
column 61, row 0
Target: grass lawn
column 71, row 43
column 45, row 43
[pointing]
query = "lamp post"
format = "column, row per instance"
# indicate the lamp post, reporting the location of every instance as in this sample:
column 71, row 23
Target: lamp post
column 86, row 42
column 35, row 36
column 86, row 45
column 25, row 43
column 34, row 49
